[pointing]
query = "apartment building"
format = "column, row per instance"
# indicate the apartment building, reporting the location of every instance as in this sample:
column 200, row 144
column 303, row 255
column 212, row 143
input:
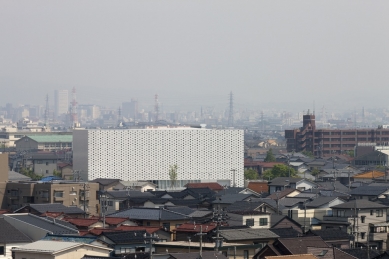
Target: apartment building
column 68, row 193
column 322, row 142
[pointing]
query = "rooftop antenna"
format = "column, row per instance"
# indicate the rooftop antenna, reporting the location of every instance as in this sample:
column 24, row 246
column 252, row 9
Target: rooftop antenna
column 231, row 111
column 156, row 108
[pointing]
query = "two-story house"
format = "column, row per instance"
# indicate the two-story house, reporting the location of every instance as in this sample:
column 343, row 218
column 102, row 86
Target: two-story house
column 365, row 220
column 281, row 183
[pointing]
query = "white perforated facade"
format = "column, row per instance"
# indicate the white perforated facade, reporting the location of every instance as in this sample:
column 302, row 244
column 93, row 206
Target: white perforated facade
column 146, row 154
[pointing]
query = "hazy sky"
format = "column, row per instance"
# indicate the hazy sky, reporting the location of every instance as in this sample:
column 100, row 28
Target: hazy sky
column 193, row 53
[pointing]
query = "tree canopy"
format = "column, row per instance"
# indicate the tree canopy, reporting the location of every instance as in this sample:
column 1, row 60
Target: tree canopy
column 250, row 174
column 270, row 156
column 279, row 170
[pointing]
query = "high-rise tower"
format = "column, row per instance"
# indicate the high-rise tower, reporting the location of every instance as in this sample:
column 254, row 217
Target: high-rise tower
column 61, row 102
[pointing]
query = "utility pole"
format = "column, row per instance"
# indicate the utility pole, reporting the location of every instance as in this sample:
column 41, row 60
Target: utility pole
column 151, row 239
column 201, row 240
column 84, row 185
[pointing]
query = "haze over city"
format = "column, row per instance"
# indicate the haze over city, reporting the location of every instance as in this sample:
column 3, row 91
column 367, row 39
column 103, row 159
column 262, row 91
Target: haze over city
column 268, row 53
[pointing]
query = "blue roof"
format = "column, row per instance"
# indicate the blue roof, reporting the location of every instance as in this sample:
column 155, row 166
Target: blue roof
column 50, row 178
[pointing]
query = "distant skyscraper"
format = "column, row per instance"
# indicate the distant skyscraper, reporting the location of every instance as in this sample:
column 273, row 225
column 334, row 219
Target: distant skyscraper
column 130, row 109
column 61, row 102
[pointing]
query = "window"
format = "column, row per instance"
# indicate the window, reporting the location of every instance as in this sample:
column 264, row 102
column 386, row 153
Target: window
column 58, row 194
column 47, row 171
column 250, row 222
column 363, row 219
column 47, row 163
column 380, row 213
column 245, row 254
column 263, row 221
column 148, row 223
column 363, row 235
column 110, row 203
column 340, row 213
column 166, row 225
column 72, row 193
column 2, row 250
column 371, row 212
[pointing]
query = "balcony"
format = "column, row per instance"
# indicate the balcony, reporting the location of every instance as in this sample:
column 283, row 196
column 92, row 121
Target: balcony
column 378, row 236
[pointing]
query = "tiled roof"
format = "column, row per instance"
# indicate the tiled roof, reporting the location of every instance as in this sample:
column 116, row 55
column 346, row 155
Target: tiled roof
column 231, row 198
column 132, row 194
column 258, row 187
column 15, row 176
column 9, row 234
column 150, row 214
column 247, row 234
column 281, row 194
column 285, row 232
column 53, row 207
column 114, row 221
column 320, row 201
column 331, row 234
column 195, row 255
column 126, row 237
column 290, row 202
column 76, row 239
column 299, row 245
column 330, row 186
column 195, row 228
column 360, row 204
column 212, row 186
column 361, row 253
column 252, row 205
column 369, row 190
column 55, row 227
column 82, row 222
column 275, row 219
column 284, row 180
column 105, row 181
column 149, row 230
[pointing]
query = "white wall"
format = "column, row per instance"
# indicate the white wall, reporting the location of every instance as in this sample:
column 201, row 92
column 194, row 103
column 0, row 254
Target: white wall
column 8, row 252
column 146, row 154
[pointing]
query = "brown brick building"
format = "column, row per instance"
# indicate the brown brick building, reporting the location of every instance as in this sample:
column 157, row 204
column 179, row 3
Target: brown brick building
column 324, row 142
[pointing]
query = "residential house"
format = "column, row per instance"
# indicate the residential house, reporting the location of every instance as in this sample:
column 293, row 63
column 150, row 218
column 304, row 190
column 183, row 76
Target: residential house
column 259, row 237
column 142, row 186
column 38, row 227
column 40, row 209
column 120, row 200
column 10, row 237
column 370, row 192
column 252, row 219
column 281, row 183
column 290, row 246
column 361, row 217
column 160, row 217
column 58, row 249
column 106, row 184
column 283, row 222
column 68, row 193
column 214, row 186
column 333, row 237
column 189, row 232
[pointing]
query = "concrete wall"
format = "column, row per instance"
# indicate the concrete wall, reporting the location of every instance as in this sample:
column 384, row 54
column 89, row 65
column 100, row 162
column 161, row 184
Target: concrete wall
column 80, row 152
column 4, row 167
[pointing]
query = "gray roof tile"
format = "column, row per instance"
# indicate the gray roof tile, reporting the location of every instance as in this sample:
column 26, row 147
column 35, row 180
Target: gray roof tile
column 9, row 234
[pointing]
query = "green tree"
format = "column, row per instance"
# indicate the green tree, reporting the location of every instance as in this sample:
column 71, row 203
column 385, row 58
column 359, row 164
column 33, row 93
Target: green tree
column 30, row 173
column 307, row 153
column 350, row 153
column 173, row 175
column 250, row 174
column 57, row 173
column 315, row 172
column 270, row 156
column 279, row 170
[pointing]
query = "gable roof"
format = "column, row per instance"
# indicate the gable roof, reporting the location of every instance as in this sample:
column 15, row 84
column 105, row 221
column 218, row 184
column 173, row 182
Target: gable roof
column 54, row 226
column 360, row 204
column 211, row 185
column 231, row 198
column 52, row 207
column 82, row 222
column 281, row 181
column 281, row 194
column 247, row 234
column 53, row 247
column 129, row 194
column 285, row 232
column 105, row 181
column 299, row 245
column 9, row 234
column 331, row 234
column 275, row 219
column 125, row 237
column 143, row 213
column 367, row 190
column 320, row 201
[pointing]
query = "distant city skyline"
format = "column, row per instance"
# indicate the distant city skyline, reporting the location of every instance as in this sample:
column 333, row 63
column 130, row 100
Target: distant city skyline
column 270, row 54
